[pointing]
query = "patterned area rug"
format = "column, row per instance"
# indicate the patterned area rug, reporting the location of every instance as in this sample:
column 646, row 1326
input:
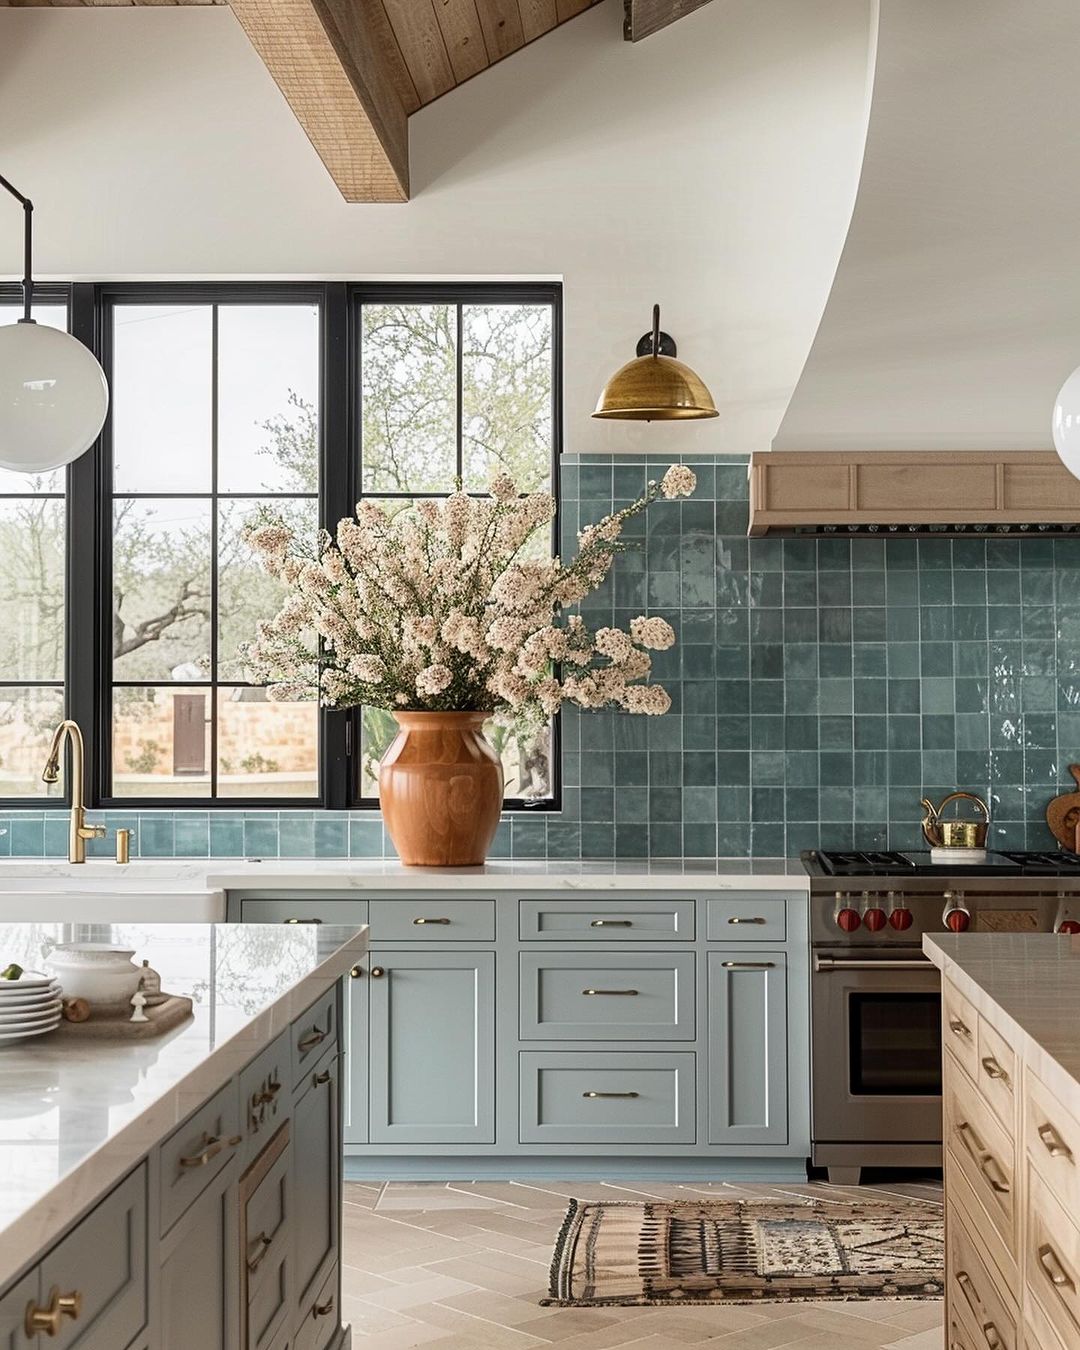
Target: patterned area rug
column 736, row 1251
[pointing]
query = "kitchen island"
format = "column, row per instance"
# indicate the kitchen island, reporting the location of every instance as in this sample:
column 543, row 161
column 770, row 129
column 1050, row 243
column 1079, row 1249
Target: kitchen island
column 181, row 1192
column 1011, row 1093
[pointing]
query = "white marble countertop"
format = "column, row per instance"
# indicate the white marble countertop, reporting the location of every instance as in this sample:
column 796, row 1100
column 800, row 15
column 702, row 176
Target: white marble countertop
column 74, row 1118
column 1027, row 986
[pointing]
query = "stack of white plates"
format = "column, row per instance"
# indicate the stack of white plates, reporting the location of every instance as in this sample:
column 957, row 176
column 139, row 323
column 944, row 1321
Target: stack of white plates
column 29, row 1006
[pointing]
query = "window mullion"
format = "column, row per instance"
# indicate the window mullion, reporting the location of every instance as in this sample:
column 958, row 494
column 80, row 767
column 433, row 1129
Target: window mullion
column 337, row 494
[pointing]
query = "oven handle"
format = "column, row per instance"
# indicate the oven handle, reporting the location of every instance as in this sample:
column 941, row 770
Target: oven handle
column 830, row 963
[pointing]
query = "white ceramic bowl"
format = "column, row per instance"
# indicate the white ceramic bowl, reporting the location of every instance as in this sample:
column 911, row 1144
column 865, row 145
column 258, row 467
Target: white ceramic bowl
column 102, row 974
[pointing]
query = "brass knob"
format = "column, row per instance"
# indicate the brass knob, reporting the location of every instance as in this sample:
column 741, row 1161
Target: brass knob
column 48, row 1319
column 377, row 972
column 356, row 972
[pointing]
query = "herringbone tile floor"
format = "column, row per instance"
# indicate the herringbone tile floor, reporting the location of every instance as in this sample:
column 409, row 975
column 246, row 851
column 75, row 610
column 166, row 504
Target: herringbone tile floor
column 463, row 1265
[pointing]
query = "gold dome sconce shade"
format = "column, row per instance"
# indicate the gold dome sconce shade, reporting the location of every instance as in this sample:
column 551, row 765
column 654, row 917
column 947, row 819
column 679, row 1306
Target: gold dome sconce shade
column 654, row 387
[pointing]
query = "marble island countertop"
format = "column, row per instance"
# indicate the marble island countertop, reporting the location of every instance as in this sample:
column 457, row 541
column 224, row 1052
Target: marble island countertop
column 75, row 1117
column 1027, row 986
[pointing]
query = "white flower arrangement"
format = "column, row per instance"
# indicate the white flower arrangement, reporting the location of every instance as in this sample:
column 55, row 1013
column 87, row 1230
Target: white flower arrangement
column 440, row 608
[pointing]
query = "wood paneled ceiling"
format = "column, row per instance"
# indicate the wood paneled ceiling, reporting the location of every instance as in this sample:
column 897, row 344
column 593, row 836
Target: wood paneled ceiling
column 353, row 71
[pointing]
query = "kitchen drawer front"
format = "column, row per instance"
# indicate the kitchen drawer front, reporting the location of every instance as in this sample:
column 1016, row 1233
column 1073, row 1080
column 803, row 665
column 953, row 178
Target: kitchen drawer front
column 1053, row 1142
column 960, row 1028
column 266, row 1205
column 304, row 911
column 584, row 919
column 104, row 1258
column 1052, row 1260
column 313, row 1033
column 607, row 1097
column 997, row 1078
column 265, row 1098
column 983, row 1152
column 974, row 1290
column 320, row 1317
column 1038, row 1333
column 194, row 1154
column 432, row 920
column 607, row 996
column 746, row 919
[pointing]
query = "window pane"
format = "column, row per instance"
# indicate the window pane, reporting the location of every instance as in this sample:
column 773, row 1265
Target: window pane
column 32, row 588
column 266, row 749
column 161, row 742
column 506, row 394
column 246, row 593
column 161, row 589
column 408, row 361
column 268, row 398
column 161, row 398
column 54, row 481
column 28, row 718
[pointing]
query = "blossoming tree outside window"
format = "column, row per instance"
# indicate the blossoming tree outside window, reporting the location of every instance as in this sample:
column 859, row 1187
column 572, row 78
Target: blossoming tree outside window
column 439, row 615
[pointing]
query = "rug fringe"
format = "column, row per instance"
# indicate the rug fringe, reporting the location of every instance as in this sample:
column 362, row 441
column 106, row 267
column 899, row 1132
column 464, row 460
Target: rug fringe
column 734, row 1302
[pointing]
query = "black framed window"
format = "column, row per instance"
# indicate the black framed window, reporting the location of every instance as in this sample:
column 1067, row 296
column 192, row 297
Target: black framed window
column 227, row 397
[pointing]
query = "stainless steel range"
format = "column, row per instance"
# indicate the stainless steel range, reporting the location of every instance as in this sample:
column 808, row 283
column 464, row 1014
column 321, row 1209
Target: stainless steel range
column 876, row 1000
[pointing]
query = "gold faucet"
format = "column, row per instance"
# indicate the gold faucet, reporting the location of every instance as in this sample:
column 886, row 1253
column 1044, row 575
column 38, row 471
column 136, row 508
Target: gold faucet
column 79, row 831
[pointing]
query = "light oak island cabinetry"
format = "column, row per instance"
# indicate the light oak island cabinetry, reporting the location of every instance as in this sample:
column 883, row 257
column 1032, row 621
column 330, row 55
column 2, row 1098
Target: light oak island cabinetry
column 1011, row 1033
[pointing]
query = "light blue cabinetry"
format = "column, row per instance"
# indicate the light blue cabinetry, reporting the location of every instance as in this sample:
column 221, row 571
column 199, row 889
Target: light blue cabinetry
column 478, row 1026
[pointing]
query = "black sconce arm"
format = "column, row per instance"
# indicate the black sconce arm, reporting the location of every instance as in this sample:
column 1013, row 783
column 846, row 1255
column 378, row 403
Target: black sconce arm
column 28, row 239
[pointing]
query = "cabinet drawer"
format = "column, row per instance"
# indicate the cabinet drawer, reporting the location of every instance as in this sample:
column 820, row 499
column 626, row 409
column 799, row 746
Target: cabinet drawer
column 194, row 1154
column 304, row 911
column 1052, row 1260
column 104, row 1259
column 1053, row 1141
column 607, row 996
column 997, row 1075
column 313, row 1033
column 607, row 1098
column 433, row 920
column 320, row 1317
column 265, row 1095
column 960, row 1028
column 980, row 1149
column 746, row 919
column 266, row 1237
column 583, row 919
column 1038, row 1333
column 974, row 1290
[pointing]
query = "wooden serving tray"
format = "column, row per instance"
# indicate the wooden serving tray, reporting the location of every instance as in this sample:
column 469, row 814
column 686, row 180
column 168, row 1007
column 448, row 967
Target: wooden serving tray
column 161, row 1017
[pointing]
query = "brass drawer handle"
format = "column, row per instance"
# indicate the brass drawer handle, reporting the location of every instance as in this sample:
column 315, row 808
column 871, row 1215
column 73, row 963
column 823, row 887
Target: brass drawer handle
column 262, row 1244
column 756, row 919
column 621, row 993
column 423, row 921
column 48, row 1319
column 1053, row 1142
column 596, row 1095
column 323, row 1309
column 1048, row 1259
column 988, row 1164
column 974, row 1302
column 301, row 921
column 994, row 1070
column 960, row 1028
column 212, row 1146
column 314, row 1038
column 748, row 965
column 321, row 1078
column 612, row 923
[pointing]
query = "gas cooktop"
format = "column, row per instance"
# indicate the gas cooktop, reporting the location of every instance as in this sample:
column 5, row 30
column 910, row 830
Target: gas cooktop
column 889, row 863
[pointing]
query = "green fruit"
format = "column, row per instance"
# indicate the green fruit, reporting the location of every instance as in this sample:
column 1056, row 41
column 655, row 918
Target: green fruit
column 12, row 972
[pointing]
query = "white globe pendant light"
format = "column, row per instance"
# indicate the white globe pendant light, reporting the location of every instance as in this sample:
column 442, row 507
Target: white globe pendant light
column 53, row 393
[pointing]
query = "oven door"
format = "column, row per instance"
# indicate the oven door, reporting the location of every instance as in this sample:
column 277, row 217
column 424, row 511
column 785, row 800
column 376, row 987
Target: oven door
column 876, row 1047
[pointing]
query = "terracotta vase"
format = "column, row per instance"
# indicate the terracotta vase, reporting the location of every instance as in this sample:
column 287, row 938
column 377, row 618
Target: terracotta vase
column 441, row 789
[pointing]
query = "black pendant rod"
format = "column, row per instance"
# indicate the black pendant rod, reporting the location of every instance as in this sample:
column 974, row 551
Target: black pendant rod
column 28, row 246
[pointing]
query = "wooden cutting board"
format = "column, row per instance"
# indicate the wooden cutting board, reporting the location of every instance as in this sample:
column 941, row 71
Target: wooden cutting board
column 1063, row 814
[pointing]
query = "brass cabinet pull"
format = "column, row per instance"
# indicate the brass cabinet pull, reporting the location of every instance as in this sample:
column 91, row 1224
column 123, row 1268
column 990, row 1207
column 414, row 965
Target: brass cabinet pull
column 262, row 1245
column 596, row 1095
column 1053, row 1142
column 423, row 921
column 757, row 919
column 323, row 1077
column 620, row 993
column 1048, row 1259
column 377, row 972
column 994, row 1070
column 309, row 1042
column 212, row 1146
column 960, row 1028
column 974, row 1302
column 356, row 972
column 612, row 923
column 988, row 1164
column 301, row 921
column 323, row 1309
column 748, row 965
column 48, row 1319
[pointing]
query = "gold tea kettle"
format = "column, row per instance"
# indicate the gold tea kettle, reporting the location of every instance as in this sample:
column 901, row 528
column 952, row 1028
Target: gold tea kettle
column 941, row 833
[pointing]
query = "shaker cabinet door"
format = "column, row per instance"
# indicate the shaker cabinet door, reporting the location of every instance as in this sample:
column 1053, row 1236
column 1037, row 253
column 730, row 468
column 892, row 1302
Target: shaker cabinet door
column 432, row 1056
column 747, row 1047
column 199, row 1306
column 316, row 1178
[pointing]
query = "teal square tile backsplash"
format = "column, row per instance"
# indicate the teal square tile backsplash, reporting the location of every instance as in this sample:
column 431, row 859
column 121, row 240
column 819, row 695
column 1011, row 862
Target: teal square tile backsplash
column 820, row 687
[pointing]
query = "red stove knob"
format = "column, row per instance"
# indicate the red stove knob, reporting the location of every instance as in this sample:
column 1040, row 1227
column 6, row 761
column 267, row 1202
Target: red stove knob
column 957, row 920
column 901, row 919
column 1068, row 926
column 848, row 920
column 875, row 919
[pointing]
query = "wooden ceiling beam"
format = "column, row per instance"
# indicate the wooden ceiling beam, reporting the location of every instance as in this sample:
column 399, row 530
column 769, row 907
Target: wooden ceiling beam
column 645, row 17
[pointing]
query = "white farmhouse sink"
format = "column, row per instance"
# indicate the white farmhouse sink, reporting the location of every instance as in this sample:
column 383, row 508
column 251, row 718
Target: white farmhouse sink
column 48, row 891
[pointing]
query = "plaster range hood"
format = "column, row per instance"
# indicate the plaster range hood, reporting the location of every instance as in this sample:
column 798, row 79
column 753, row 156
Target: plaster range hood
column 912, row 492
